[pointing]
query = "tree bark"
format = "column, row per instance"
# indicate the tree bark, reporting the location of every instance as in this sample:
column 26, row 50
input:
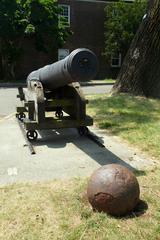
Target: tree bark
column 140, row 72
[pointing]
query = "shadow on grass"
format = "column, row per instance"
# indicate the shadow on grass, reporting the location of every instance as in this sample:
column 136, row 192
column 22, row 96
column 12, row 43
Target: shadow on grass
column 119, row 112
column 140, row 173
column 138, row 211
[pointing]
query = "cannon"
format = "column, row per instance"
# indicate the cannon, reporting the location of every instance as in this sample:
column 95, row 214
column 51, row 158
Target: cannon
column 54, row 99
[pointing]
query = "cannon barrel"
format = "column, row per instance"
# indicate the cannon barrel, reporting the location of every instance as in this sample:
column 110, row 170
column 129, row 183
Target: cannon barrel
column 80, row 65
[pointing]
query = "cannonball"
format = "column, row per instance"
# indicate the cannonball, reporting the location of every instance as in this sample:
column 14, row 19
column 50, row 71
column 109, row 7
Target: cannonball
column 113, row 189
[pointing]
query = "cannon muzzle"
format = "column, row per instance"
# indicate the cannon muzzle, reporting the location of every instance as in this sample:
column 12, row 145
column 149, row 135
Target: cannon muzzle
column 80, row 65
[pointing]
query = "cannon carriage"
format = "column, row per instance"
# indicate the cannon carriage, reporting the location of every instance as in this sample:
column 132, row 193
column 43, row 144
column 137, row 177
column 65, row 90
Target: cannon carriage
column 54, row 99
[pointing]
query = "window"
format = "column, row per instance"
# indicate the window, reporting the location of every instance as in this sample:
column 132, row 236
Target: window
column 65, row 13
column 116, row 60
column 62, row 53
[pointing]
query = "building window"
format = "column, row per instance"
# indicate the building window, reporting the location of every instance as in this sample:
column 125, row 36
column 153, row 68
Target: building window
column 62, row 53
column 65, row 13
column 116, row 60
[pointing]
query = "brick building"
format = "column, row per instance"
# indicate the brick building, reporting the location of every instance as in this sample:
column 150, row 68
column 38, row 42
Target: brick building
column 86, row 20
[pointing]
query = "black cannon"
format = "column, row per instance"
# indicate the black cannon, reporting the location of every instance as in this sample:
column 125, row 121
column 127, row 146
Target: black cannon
column 55, row 89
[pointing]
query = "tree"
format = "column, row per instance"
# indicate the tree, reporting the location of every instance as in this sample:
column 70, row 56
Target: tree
column 22, row 18
column 140, row 72
column 121, row 24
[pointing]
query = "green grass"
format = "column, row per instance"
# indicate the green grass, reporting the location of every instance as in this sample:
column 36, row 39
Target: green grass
column 59, row 210
column 135, row 119
column 112, row 81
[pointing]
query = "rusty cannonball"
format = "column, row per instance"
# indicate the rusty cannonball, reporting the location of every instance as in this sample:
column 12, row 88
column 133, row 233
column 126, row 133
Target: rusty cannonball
column 113, row 189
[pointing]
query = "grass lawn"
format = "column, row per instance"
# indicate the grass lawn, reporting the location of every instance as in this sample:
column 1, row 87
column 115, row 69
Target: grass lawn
column 112, row 81
column 135, row 119
column 58, row 210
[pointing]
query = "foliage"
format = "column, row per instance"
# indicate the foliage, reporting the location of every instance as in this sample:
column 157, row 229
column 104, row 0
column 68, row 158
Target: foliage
column 22, row 18
column 121, row 24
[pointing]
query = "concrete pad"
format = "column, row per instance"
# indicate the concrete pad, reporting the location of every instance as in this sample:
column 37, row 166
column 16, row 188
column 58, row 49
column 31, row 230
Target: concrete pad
column 9, row 101
column 59, row 154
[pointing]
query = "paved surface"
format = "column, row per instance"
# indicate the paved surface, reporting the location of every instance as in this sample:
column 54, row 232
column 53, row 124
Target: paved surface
column 59, row 154
column 8, row 101
column 97, row 89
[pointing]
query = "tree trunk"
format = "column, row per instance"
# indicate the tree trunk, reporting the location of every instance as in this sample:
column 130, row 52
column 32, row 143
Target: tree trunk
column 140, row 72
